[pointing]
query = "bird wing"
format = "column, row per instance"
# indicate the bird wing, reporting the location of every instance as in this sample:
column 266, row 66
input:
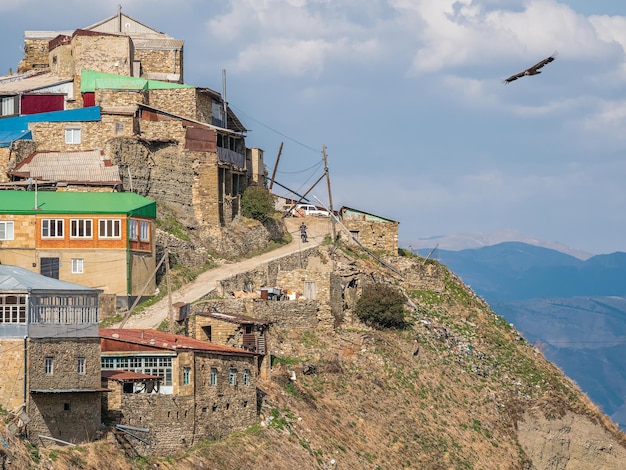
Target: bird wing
column 513, row 77
column 538, row 65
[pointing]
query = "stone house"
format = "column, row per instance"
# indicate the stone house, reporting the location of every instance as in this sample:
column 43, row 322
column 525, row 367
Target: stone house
column 206, row 390
column 238, row 331
column 373, row 232
column 97, row 239
column 50, row 355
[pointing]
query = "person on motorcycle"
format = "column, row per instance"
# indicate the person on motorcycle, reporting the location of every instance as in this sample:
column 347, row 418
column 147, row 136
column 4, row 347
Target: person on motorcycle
column 303, row 234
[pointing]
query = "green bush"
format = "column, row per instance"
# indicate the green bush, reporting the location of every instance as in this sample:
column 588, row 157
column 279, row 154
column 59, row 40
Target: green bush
column 381, row 305
column 257, row 203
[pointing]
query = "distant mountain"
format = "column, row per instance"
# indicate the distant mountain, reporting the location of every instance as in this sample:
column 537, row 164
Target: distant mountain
column 470, row 240
column 574, row 310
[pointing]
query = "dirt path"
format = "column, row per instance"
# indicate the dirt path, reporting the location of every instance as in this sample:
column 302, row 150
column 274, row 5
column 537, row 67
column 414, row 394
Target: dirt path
column 209, row 280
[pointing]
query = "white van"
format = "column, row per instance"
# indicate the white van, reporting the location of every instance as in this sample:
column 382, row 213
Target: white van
column 303, row 210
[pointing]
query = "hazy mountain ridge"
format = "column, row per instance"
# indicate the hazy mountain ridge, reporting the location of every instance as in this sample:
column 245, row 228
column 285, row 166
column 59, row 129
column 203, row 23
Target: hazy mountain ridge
column 573, row 309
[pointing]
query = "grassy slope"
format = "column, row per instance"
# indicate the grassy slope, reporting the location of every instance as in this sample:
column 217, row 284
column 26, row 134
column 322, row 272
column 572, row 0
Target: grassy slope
column 372, row 403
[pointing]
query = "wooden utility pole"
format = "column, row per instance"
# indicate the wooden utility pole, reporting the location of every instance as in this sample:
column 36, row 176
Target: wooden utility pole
column 170, row 318
column 280, row 150
column 330, row 195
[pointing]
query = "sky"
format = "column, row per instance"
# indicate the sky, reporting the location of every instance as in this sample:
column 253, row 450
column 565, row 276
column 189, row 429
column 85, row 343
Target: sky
column 407, row 99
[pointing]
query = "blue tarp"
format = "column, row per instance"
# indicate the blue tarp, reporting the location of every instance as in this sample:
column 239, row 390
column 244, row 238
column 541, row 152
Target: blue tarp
column 8, row 137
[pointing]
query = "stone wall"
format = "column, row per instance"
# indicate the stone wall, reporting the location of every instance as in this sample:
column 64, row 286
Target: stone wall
column 167, row 61
column 106, row 97
column 11, row 156
column 51, row 135
column 376, row 236
column 179, row 101
column 106, row 53
column 12, row 373
column 35, row 55
column 71, row 417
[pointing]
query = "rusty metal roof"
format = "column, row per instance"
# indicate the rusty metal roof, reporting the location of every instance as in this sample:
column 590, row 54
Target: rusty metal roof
column 83, row 167
column 15, row 84
column 152, row 339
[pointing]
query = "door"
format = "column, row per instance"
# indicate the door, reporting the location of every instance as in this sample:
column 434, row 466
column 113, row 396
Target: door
column 49, row 267
column 310, row 290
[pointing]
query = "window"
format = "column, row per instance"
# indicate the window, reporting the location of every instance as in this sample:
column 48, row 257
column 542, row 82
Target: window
column 186, row 375
column 52, row 228
column 246, row 377
column 12, row 309
column 110, row 228
column 80, row 228
column 161, row 366
column 48, row 366
column 8, row 106
column 132, row 230
column 78, row 265
column 72, row 135
column 144, row 233
column 232, row 376
column 81, row 366
column 213, row 376
column 66, row 407
column 6, row 230
column 119, row 127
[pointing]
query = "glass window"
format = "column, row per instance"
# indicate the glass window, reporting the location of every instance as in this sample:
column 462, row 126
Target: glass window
column 6, row 230
column 81, row 366
column 12, row 309
column 80, row 228
column 246, row 377
column 144, row 234
column 132, row 229
column 72, row 135
column 232, row 376
column 213, row 376
column 110, row 228
column 186, row 375
column 48, row 365
column 52, row 228
column 78, row 265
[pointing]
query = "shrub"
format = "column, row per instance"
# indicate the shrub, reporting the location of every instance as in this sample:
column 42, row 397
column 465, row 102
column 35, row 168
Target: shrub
column 381, row 305
column 257, row 203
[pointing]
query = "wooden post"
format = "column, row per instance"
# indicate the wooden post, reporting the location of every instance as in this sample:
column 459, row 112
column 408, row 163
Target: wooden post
column 170, row 318
column 280, row 150
column 330, row 196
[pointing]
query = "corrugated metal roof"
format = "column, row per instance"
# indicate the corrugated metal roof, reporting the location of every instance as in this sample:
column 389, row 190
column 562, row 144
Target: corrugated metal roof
column 8, row 137
column 127, row 376
column 71, row 167
column 48, row 202
column 354, row 214
column 90, row 80
column 16, row 279
column 91, row 113
column 28, row 82
column 234, row 318
column 158, row 339
column 157, row 43
column 46, row 34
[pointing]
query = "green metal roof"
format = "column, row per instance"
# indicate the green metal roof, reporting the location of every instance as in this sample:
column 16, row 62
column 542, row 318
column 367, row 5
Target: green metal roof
column 91, row 80
column 49, row 202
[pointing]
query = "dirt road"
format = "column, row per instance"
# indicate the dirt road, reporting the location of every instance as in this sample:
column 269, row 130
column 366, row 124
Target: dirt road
column 152, row 316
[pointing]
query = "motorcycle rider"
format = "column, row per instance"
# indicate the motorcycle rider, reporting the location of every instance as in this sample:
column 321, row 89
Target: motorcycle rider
column 303, row 234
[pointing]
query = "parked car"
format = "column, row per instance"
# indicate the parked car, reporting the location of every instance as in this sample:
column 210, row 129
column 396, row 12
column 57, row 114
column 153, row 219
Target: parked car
column 303, row 210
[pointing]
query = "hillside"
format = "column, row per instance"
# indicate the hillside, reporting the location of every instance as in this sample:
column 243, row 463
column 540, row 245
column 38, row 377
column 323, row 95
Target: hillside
column 458, row 389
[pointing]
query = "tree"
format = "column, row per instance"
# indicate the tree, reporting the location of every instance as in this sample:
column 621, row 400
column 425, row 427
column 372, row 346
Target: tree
column 257, row 203
column 381, row 305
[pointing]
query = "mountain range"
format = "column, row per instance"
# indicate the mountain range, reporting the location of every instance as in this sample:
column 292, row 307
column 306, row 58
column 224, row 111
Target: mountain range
column 572, row 309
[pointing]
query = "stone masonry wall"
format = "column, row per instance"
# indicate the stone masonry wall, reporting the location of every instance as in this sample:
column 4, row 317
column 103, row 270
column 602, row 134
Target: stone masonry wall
column 109, row 54
column 35, row 55
column 375, row 235
column 11, row 156
column 179, row 101
column 106, row 98
column 12, row 372
column 159, row 61
column 51, row 135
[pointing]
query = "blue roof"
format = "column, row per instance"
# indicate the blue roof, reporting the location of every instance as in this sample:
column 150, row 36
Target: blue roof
column 16, row 279
column 20, row 123
column 8, row 137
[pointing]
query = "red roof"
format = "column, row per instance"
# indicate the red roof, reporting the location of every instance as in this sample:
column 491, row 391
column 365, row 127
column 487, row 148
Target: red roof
column 121, row 339
column 128, row 376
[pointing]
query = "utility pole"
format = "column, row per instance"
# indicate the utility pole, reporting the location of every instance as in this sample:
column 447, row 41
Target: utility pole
column 330, row 194
column 280, row 150
column 169, row 291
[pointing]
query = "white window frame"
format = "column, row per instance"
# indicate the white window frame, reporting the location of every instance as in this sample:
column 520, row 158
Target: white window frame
column 107, row 228
column 7, row 231
column 49, row 365
column 186, row 375
column 213, row 379
column 80, row 227
column 81, row 366
column 72, row 135
column 144, row 230
column 232, row 376
column 13, row 308
column 133, row 229
column 57, row 224
column 78, row 265
column 8, row 106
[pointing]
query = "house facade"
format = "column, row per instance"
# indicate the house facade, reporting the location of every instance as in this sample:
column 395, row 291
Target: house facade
column 371, row 231
column 100, row 240
column 206, row 390
column 50, row 355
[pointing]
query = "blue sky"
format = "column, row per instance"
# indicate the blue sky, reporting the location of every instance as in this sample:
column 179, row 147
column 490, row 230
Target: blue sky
column 407, row 97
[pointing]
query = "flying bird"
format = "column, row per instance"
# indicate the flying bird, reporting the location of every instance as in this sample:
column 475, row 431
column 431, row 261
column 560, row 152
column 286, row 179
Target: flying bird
column 534, row 70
